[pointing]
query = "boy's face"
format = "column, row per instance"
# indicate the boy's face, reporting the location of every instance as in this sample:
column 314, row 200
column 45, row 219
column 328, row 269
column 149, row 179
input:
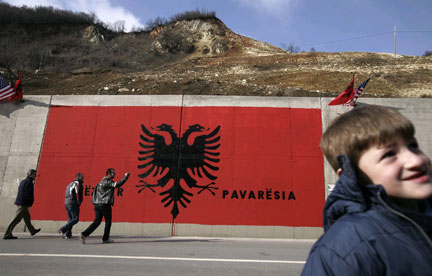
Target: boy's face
column 401, row 167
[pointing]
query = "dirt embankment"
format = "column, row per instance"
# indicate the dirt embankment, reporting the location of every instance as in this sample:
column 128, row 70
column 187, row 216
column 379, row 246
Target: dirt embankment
column 205, row 57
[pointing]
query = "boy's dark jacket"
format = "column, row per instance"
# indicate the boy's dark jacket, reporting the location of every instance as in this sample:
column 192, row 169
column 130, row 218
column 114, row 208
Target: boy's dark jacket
column 367, row 235
column 25, row 196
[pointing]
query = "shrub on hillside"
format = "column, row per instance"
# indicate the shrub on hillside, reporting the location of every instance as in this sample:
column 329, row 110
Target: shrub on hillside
column 290, row 48
column 157, row 22
column 193, row 15
column 118, row 26
column 42, row 15
column 172, row 42
column 187, row 15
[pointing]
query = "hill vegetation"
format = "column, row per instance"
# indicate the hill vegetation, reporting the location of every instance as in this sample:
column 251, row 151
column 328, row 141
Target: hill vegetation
column 58, row 41
column 62, row 52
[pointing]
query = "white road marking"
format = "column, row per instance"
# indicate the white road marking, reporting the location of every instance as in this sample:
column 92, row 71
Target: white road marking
column 151, row 258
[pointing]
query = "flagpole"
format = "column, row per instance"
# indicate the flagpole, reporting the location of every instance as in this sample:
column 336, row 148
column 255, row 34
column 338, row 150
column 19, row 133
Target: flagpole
column 394, row 30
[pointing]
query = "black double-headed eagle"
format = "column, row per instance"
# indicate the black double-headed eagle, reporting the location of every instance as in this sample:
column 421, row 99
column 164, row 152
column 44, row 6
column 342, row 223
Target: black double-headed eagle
column 178, row 160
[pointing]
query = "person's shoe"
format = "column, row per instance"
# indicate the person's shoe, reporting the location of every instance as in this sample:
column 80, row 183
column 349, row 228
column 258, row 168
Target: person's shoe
column 10, row 237
column 36, row 231
column 82, row 239
column 108, row 241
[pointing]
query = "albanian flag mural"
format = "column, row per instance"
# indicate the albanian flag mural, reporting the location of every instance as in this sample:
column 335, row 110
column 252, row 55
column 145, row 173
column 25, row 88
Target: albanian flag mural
column 176, row 160
column 198, row 165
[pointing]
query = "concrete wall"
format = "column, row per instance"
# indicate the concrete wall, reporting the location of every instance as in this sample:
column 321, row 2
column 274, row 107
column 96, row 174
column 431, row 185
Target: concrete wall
column 22, row 128
column 21, row 133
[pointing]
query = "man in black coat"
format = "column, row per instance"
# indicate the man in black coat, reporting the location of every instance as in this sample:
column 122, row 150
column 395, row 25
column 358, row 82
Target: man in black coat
column 24, row 201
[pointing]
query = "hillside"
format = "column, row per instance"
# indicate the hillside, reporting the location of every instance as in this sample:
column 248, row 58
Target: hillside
column 201, row 56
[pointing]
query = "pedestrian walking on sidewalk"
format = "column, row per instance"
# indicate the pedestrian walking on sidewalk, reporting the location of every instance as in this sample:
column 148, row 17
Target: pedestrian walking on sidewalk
column 73, row 200
column 103, row 199
column 24, row 201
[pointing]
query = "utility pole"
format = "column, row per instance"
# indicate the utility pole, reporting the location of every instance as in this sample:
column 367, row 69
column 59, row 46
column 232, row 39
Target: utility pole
column 394, row 41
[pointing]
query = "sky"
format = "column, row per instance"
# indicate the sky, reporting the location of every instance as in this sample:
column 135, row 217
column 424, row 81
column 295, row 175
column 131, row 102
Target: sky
column 325, row 25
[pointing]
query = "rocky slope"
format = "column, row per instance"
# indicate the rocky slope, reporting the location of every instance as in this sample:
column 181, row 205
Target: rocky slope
column 204, row 57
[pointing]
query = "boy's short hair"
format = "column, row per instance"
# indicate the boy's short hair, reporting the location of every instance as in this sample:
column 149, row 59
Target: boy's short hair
column 355, row 131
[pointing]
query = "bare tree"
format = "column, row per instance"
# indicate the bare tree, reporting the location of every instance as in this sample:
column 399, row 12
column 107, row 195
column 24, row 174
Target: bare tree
column 10, row 56
column 290, row 48
column 118, row 26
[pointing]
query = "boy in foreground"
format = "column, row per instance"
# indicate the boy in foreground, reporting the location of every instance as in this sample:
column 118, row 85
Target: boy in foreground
column 378, row 218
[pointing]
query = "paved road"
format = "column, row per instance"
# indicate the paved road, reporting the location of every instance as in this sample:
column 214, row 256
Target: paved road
column 48, row 254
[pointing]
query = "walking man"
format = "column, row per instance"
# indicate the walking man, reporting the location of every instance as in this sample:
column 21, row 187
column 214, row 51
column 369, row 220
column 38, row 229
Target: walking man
column 103, row 199
column 73, row 200
column 24, row 201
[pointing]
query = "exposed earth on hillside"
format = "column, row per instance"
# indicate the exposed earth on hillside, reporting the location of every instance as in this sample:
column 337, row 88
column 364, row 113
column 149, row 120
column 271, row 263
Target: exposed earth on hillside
column 213, row 60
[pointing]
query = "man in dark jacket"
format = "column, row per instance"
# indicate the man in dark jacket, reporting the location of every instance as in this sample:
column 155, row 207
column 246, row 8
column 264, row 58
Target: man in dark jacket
column 73, row 200
column 103, row 199
column 24, row 201
column 378, row 218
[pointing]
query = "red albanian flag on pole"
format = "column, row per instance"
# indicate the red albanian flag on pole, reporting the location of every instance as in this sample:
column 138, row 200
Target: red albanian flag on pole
column 345, row 96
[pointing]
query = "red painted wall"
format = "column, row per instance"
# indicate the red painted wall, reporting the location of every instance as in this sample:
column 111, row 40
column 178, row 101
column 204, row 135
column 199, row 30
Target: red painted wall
column 270, row 166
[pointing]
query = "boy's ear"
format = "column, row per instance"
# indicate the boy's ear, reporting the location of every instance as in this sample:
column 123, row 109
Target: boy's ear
column 339, row 172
